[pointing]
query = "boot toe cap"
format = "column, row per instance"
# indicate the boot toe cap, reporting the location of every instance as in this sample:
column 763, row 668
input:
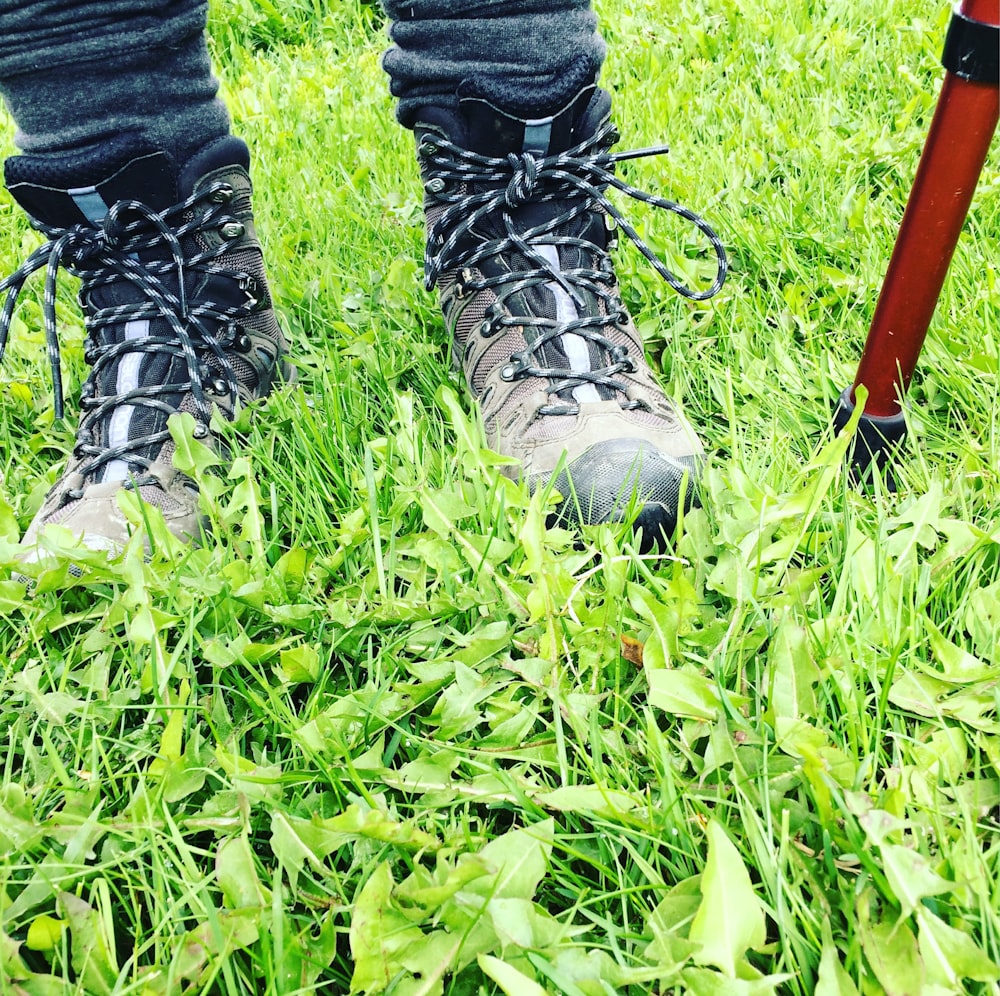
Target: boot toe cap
column 627, row 479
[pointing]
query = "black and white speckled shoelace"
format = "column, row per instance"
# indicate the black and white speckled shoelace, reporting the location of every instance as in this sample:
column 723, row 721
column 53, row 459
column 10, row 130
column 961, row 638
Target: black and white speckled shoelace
column 581, row 173
column 477, row 189
column 151, row 251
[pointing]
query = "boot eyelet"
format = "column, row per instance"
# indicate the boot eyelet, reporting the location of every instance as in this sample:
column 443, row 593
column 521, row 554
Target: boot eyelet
column 219, row 386
column 232, row 230
column 222, row 194
column 508, row 372
column 200, row 430
column 435, row 185
column 255, row 296
column 244, row 343
column 462, row 282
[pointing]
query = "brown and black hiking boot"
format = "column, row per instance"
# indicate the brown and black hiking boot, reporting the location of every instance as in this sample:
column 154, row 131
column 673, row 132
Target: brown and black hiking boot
column 178, row 318
column 518, row 233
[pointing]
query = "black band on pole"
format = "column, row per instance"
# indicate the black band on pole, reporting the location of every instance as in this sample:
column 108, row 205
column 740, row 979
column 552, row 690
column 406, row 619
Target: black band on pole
column 972, row 49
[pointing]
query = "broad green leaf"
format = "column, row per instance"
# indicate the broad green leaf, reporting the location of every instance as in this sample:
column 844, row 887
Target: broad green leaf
column 521, row 923
column 379, row 934
column 11, row 963
column 819, row 475
column 792, row 672
column 484, row 643
column 891, row 950
column 430, row 892
column 588, row 799
column 822, row 761
column 911, row 877
column 832, row 979
column 594, row 972
column 44, row 933
column 683, row 693
column 191, row 456
column 8, row 523
column 92, row 948
column 730, row 918
column 376, row 824
column 428, row 961
column 51, row 707
column 669, row 924
column 171, row 743
column 19, row 980
column 957, row 665
column 951, row 955
column 212, row 942
column 878, row 824
column 944, row 754
column 704, row 982
column 508, row 978
column 456, row 710
column 300, row 664
column 236, row 873
column 669, row 610
column 917, row 525
column 295, row 841
column 918, row 693
column 53, row 874
column 519, row 858
column 17, row 830
column 442, row 508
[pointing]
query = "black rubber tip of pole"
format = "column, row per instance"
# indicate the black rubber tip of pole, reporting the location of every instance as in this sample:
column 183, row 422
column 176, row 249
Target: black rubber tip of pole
column 876, row 442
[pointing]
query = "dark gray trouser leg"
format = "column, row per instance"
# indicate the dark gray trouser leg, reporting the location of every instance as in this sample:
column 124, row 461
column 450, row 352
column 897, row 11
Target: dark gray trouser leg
column 527, row 56
column 77, row 73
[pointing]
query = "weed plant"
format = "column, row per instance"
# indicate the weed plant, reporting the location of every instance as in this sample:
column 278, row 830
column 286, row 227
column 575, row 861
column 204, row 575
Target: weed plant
column 385, row 733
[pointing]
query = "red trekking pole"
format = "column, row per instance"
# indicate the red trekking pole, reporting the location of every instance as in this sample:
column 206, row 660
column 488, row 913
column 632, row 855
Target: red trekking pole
column 959, row 138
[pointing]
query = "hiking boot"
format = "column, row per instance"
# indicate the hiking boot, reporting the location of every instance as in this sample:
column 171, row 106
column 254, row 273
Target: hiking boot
column 518, row 233
column 178, row 318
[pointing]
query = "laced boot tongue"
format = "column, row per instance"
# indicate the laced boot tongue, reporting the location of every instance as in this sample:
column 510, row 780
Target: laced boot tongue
column 61, row 193
column 491, row 131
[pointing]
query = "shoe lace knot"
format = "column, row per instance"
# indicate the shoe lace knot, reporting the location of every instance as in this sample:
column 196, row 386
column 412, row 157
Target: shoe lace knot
column 474, row 187
column 479, row 209
column 523, row 180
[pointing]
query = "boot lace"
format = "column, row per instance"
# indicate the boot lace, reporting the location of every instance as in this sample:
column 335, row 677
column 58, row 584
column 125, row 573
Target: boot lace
column 474, row 188
column 154, row 252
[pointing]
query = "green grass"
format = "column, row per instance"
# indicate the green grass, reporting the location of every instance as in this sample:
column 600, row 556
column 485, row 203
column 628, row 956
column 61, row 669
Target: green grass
column 384, row 733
